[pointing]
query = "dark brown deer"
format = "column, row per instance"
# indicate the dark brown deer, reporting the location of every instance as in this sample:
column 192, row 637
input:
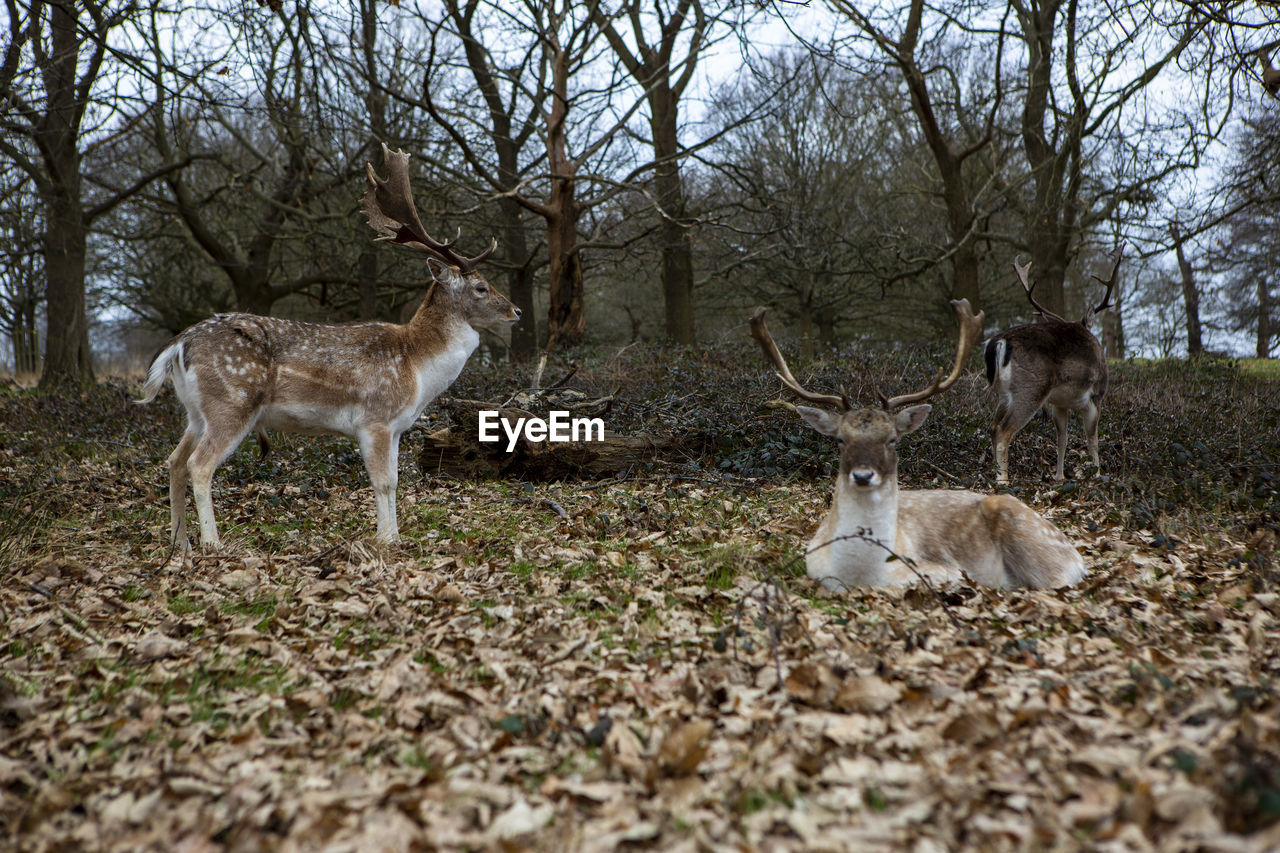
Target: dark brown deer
column 948, row 534
column 1054, row 364
column 242, row 373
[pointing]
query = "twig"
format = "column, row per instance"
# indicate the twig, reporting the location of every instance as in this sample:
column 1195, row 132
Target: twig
column 75, row 619
column 543, row 502
column 573, row 368
column 953, row 478
column 537, row 374
column 780, row 598
column 906, row 561
column 566, row 654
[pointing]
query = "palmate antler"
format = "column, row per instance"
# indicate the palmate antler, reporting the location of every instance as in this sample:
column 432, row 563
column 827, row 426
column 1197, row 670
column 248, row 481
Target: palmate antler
column 388, row 205
column 970, row 331
column 760, row 332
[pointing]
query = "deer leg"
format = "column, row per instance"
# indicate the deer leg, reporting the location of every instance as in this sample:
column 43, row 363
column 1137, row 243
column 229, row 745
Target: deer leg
column 1061, row 416
column 1089, row 421
column 179, row 476
column 219, row 440
column 380, row 450
column 1012, row 414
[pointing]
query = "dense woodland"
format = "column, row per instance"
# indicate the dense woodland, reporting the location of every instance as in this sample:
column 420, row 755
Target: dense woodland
column 649, row 170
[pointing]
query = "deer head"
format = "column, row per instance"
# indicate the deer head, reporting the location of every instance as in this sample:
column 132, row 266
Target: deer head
column 869, row 436
column 388, row 206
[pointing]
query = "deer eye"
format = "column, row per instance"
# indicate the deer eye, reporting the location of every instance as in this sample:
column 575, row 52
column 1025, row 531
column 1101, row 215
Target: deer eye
column 893, row 442
column 480, row 288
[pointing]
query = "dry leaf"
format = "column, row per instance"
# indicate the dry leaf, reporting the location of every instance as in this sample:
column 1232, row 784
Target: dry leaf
column 683, row 748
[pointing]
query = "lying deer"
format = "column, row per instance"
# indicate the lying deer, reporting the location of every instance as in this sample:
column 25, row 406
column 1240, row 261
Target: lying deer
column 948, row 534
column 1055, row 365
column 237, row 373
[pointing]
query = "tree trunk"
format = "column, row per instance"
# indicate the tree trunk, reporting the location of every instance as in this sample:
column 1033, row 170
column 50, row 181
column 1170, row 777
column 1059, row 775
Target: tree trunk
column 566, row 321
column 376, row 106
column 67, row 340
column 1263, row 347
column 827, row 328
column 677, row 251
column 66, row 356
column 1050, row 225
column 25, row 337
column 805, row 316
column 1190, row 296
column 252, row 286
column 367, row 284
column 524, row 336
column 1113, row 328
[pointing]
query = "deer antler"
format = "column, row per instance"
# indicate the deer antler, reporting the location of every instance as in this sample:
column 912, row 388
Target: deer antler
column 1022, row 270
column 970, row 332
column 1111, row 286
column 760, row 332
column 388, row 205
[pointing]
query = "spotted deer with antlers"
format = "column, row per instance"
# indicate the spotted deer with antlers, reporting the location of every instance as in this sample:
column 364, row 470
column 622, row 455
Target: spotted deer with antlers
column 1056, row 365
column 995, row 540
column 242, row 373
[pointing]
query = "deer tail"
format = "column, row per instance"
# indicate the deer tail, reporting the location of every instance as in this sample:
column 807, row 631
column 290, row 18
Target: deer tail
column 159, row 371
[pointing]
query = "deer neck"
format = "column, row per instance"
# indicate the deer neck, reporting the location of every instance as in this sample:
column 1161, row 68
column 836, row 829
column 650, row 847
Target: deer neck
column 437, row 332
column 858, row 515
column 437, row 343
column 872, row 510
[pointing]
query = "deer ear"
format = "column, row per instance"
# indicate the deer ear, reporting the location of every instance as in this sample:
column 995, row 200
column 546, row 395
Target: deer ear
column 820, row 419
column 444, row 273
column 909, row 420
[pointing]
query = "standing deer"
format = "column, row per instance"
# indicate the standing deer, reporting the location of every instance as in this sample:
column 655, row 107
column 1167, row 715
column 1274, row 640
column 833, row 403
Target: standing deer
column 1055, row 365
column 237, row 373
column 948, row 534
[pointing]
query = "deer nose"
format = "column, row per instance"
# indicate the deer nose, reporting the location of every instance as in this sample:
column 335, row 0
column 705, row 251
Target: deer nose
column 862, row 476
column 518, row 313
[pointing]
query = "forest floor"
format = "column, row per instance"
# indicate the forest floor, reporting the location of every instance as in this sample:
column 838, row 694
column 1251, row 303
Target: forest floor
column 637, row 663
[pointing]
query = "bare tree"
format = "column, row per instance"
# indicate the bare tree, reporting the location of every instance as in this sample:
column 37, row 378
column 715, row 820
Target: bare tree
column 268, row 156
column 21, row 271
column 652, row 62
column 914, row 39
column 547, row 56
column 513, row 101
column 801, row 204
column 1084, row 68
column 56, row 102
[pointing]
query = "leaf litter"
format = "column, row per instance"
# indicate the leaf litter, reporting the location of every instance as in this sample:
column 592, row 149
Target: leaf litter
column 647, row 670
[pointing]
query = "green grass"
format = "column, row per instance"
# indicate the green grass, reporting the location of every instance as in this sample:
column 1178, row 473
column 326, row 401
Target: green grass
column 261, row 607
column 1260, row 368
column 183, row 605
